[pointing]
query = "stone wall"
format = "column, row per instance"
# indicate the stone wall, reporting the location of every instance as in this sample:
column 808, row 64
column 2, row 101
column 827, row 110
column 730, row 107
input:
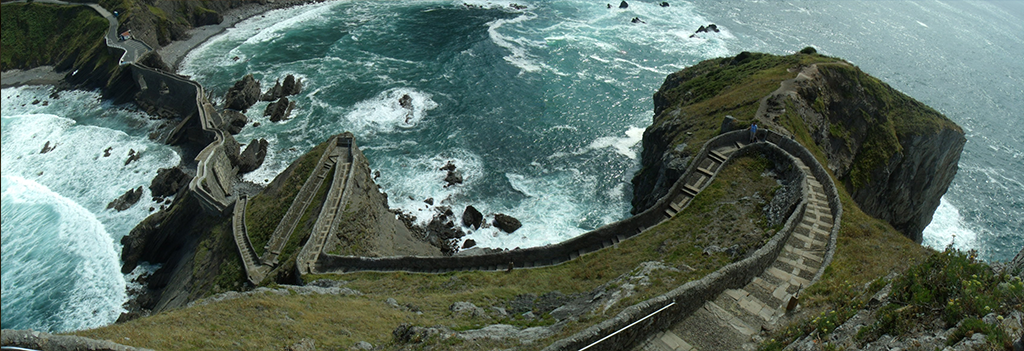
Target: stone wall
column 536, row 256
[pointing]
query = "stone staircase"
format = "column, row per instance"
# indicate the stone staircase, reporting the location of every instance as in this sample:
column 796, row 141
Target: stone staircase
column 337, row 156
column 254, row 269
column 328, row 219
column 735, row 318
column 302, row 200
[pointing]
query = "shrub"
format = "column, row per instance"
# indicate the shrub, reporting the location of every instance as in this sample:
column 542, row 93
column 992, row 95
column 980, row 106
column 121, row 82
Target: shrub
column 808, row 50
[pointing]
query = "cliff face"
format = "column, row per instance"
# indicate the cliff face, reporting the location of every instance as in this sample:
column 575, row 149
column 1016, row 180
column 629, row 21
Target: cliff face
column 893, row 154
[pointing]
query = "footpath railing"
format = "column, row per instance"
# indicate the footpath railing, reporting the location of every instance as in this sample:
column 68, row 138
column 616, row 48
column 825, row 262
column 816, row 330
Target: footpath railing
column 694, row 179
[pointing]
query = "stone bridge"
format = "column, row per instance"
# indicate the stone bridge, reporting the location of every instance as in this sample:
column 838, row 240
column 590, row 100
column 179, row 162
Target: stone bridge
column 215, row 174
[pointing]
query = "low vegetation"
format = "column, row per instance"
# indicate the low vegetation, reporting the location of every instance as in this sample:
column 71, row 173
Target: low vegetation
column 43, row 34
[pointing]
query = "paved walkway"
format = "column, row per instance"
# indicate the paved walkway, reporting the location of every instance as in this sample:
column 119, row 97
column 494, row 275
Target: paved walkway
column 734, row 319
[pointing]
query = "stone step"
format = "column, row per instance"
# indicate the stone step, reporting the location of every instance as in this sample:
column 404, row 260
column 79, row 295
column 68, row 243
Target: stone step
column 705, row 331
column 717, row 156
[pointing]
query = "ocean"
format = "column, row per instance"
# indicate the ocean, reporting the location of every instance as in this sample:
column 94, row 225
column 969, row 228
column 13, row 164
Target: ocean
column 541, row 109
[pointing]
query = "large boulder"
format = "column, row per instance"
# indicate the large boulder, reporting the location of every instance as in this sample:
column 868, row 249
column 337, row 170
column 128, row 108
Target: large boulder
column 472, row 218
column 127, row 200
column 234, row 121
column 291, row 86
column 253, row 156
column 506, row 223
column 243, row 94
column 168, row 181
column 279, row 111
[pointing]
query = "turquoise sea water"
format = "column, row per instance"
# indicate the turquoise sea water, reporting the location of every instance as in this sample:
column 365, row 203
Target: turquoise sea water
column 542, row 110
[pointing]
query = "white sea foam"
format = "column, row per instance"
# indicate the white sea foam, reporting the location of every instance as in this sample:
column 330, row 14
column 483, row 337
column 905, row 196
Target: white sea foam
column 550, row 213
column 420, row 177
column 384, row 113
column 60, row 269
column 947, row 227
column 625, row 146
column 518, row 46
column 60, row 243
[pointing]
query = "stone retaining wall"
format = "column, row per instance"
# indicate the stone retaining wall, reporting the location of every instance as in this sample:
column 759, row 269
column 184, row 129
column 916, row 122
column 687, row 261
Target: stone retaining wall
column 536, row 256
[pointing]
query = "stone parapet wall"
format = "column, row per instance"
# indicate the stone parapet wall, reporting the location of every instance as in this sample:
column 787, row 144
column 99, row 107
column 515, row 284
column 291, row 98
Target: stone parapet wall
column 536, row 256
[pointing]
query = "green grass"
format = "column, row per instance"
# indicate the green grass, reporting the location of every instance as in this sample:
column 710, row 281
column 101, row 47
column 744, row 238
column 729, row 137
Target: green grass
column 264, row 212
column 272, row 322
column 42, row 34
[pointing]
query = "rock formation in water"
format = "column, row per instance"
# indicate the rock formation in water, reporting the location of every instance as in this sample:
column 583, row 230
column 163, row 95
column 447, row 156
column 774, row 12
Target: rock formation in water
column 243, row 94
column 130, row 198
column 290, row 87
column 168, row 181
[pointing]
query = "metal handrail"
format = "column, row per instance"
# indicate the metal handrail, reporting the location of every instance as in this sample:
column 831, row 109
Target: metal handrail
column 628, row 326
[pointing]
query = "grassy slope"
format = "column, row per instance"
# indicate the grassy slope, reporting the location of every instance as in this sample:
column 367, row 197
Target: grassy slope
column 270, row 322
column 42, row 34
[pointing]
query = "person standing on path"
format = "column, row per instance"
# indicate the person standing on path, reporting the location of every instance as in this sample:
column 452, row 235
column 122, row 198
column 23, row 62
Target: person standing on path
column 753, row 132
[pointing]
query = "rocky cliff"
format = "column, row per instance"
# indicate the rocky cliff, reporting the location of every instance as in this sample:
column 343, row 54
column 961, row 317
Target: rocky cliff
column 893, row 154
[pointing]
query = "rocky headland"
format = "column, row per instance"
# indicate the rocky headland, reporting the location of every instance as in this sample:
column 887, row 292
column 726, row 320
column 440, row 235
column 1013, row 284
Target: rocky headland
column 894, row 155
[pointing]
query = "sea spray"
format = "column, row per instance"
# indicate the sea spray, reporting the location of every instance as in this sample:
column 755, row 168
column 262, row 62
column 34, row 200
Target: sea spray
column 61, row 268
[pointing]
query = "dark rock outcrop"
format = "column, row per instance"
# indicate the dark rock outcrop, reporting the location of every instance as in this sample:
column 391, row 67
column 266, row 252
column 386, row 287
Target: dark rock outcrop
column 243, row 94
column 711, row 28
column 48, row 147
column 127, row 200
column 279, row 111
column 472, row 218
column 623, row 5
column 234, row 121
column 168, row 181
column 663, row 4
column 453, row 177
column 253, row 156
column 291, row 86
column 132, row 156
column 506, row 223
column 153, row 60
column 442, row 232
